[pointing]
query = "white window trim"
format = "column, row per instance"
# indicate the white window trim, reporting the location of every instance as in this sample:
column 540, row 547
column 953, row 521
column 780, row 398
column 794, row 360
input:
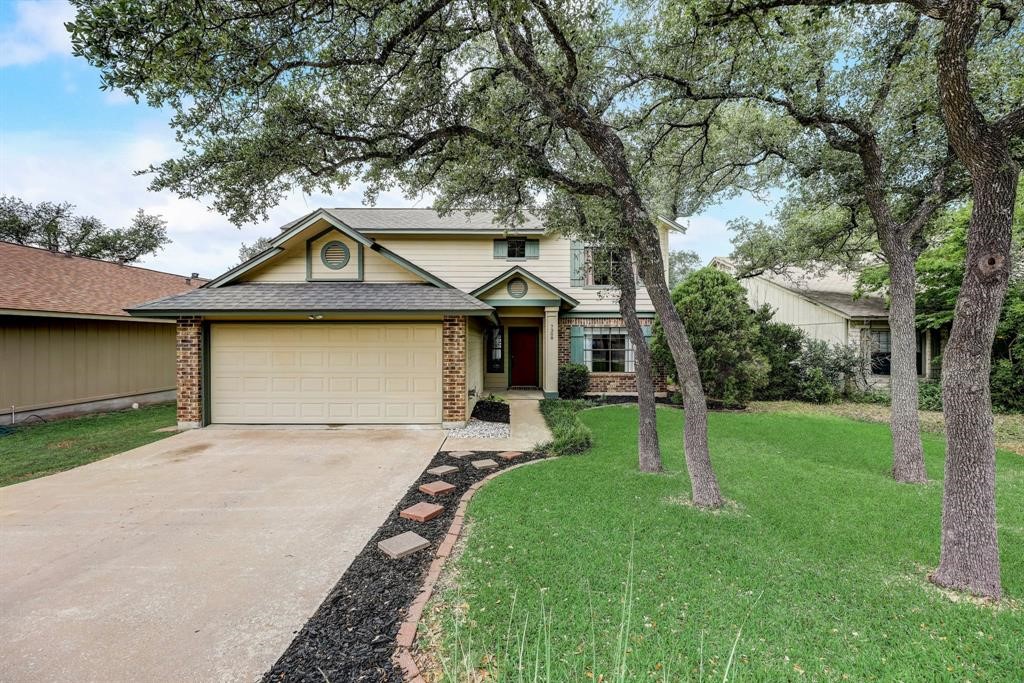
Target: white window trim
column 588, row 348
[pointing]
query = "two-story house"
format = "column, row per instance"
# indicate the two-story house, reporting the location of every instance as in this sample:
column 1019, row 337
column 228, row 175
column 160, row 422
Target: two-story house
column 388, row 316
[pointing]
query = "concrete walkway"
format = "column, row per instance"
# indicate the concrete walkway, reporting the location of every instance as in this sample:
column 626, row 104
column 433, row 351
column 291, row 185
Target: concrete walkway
column 528, row 428
column 195, row 558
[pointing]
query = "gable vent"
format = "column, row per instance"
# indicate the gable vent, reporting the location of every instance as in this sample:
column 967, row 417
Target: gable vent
column 517, row 288
column 335, row 255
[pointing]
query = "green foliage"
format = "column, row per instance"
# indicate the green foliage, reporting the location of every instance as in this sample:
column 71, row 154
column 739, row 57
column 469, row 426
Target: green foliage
column 570, row 436
column 56, row 227
column 247, row 251
column 573, row 380
column 680, row 264
column 1007, row 380
column 840, row 549
column 781, row 345
column 929, row 395
column 724, row 333
column 827, row 371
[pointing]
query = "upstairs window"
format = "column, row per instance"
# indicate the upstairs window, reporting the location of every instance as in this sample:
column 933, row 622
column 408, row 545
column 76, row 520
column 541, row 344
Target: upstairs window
column 516, row 249
column 600, row 265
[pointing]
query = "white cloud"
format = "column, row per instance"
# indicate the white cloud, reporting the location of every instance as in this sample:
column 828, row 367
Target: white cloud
column 95, row 172
column 36, row 33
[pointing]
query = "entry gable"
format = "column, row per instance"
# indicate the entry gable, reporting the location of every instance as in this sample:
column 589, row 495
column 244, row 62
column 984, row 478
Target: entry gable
column 519, row 287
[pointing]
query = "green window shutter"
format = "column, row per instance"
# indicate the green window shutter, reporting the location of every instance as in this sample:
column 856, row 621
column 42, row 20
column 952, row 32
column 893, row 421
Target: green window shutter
column 532, row 248
column 500, row 248
column 648, row 333
column 576, row 344
column 576, row 274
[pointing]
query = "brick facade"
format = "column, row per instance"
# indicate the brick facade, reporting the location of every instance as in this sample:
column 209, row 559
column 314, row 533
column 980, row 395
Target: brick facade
column 190, row 372
column 605, row 382
column 453, row 369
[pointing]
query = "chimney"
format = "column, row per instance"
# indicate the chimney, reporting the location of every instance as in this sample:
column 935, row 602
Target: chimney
column 191, row 277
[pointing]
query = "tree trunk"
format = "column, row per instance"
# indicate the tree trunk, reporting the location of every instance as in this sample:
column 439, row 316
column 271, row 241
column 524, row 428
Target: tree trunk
column 904, row 422
column 647, row 427
column 646, row 249
column 969, row 559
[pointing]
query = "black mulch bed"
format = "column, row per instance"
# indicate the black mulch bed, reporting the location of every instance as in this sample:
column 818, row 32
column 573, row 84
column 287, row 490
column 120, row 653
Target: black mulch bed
column 491, row 411
column 351, row 637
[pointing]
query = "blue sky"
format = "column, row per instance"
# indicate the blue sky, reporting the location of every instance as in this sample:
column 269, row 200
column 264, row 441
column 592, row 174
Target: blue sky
column 63, row 139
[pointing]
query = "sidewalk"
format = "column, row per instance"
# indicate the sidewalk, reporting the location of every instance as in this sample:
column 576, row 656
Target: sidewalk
column 527, row 426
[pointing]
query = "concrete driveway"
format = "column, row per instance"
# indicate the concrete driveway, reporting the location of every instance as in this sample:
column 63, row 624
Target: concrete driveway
column 195, row 558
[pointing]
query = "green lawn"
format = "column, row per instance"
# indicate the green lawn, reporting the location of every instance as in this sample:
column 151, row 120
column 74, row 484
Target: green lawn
column 37, row 450
column 819, row 568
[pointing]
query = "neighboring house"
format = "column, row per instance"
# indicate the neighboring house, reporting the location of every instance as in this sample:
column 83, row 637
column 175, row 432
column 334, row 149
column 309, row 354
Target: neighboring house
column 825, row 307
column 357, row 316
column 67, row 346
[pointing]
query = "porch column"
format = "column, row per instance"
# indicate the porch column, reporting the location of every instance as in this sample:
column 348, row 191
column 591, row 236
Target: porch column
column 550, row 365
column 190, row 372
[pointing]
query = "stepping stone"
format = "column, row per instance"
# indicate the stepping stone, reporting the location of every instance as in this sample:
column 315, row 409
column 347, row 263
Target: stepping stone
column 422, row 512
column 460, row 454
column 442, row 470
column 487, row 464
column 437, row 488
column 510, row 455
column 402, row 545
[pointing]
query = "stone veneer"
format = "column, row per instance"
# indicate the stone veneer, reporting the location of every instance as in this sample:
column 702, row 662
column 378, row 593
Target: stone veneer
column 605, row 382
column 453, row 370
column 190, row 372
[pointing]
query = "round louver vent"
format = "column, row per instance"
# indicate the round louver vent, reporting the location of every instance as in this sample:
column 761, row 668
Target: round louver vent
column 335, row 255
column 517, row 287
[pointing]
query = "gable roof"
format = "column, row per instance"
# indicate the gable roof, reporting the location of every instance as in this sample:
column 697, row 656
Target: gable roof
column 522, row 272
column 303, row 297
column 36, row 281
column 829, row 287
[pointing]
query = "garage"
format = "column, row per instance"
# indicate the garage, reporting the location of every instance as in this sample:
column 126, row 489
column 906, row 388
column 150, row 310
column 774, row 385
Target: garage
column 325, row 373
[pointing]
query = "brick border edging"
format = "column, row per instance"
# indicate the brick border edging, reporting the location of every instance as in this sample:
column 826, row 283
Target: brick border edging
column 407, row 631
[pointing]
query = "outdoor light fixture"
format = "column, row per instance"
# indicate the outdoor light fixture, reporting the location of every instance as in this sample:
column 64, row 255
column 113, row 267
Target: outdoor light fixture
column 316, row 316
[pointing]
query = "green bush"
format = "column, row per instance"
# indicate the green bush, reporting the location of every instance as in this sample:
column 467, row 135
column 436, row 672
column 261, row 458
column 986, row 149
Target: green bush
column 570, row 436
column 723, row 331
column 929, row 395
column 1007, row 381
column 573, row 381
column 817, row 387
column 781, row 345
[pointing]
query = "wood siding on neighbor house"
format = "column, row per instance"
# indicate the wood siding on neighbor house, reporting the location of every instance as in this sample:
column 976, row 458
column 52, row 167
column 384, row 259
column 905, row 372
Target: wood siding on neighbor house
column 818, row 322
column 48, row 362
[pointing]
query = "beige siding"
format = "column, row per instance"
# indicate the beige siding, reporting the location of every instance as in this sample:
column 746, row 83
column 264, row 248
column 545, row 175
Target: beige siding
column 290, row 265
column 474, row 364
column 47, row 362
column 468, row 262
column 819, row 322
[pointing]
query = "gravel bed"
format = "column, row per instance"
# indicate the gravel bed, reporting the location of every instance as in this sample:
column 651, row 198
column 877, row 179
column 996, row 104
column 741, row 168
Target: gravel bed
column 351, row 637
column 479, row 429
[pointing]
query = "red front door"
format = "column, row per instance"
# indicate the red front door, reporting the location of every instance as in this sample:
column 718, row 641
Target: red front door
column 522, row 342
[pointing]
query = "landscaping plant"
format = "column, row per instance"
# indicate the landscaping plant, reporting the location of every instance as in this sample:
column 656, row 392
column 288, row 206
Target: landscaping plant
column 573, row 381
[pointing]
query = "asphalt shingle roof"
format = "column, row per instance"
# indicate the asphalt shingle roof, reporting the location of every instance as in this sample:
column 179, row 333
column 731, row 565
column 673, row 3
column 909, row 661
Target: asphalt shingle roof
column 318, row 296
column 34, row 279
column 426, row 220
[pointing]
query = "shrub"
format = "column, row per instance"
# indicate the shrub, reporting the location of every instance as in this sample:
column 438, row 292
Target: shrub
column 835, row 365
column 1007, row 381
column 723, row 331
column 817, row 387
column 929, row 395
column 781, row 345
column 573, row 381
column 570, row 436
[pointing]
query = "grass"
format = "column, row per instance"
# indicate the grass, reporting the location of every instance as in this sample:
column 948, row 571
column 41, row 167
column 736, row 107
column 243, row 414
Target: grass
column 1009, row 427
column 583, row 569
column 36, row 450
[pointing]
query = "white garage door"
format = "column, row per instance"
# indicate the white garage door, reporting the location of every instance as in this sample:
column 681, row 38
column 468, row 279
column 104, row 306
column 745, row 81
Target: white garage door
column 323, row 373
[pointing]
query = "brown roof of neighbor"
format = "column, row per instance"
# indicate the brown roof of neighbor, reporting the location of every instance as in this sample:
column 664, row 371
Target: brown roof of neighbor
column 34, row 279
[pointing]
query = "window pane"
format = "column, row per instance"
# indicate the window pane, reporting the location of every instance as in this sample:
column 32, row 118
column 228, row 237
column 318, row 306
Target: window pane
column 516, row 247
